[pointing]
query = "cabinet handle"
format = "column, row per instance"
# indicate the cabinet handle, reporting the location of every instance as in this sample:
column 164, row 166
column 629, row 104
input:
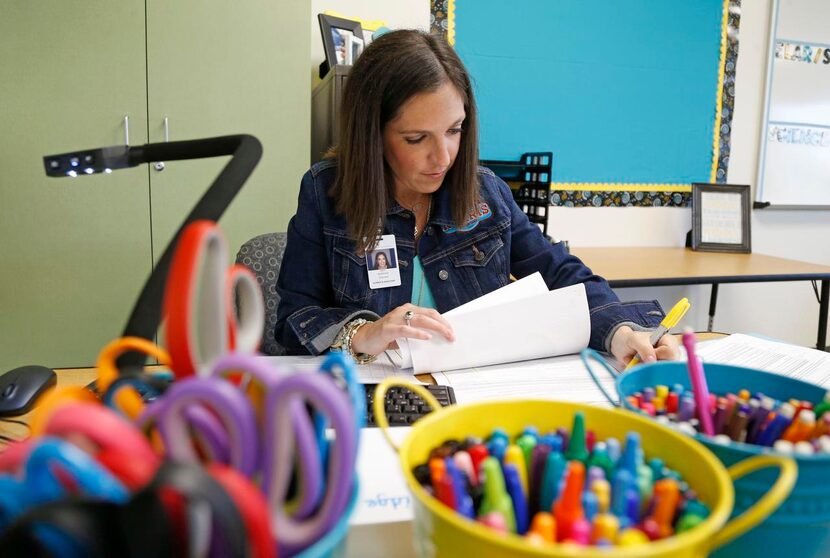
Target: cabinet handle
column 127, row 131
column 159, row 166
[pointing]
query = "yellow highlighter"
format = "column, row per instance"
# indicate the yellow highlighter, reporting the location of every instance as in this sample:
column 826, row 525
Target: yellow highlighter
column 671, row 320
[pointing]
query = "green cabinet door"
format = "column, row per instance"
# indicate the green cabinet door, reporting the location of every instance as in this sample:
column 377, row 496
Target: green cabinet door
column 74, row 253
column 229, row 67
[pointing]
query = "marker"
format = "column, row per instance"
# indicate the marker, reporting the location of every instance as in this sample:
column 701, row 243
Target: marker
column 478, row 453
column 687, row 408
column 602, row 490
column 464, row 463
column 544, row 525
column 614, row 449
column 581, row 532
column 599, row 458
column 461, row 498
column 496, row 447
column 801, row 427
column 576, row 447
column 568, row 508
column 632, row 537
column 590, row 504
column 515, row 456
column 442, row 484
column 605, row 526
column 512, row 480
column 737, row 426
column 669, row 321
column 824, row 406
column 623, row 479
column 527, row 442
column 555, row 468
column 494, row 520
column 666, row 497
column 495, row 496
column 776, row 426
column 630, row 456
column 698, row 379
column 540, row 458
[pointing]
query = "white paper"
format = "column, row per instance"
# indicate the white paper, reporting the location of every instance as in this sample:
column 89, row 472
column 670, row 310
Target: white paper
column 518, row 322
column 372, row 373
column 524, row 287
column 801, row 363
column 562, row 378
column 384, row 496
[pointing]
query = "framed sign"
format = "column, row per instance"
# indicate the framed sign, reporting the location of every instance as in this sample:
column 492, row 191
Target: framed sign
column 720, row 218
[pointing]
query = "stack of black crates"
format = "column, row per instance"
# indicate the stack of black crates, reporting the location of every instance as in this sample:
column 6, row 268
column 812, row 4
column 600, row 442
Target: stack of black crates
column 529, row 178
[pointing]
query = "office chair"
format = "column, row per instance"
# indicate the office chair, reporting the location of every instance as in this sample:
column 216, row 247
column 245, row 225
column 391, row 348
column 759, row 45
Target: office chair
column 263, row 255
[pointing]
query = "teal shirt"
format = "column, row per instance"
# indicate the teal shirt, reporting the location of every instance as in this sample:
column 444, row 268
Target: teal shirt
column 421, row 295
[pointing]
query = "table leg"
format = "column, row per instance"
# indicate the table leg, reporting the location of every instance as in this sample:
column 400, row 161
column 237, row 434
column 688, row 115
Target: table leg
column 713, row 302
column 821, row 343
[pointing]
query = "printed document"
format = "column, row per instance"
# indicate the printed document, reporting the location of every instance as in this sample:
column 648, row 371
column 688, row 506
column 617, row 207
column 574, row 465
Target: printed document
column 521, row 321
column 801, row 363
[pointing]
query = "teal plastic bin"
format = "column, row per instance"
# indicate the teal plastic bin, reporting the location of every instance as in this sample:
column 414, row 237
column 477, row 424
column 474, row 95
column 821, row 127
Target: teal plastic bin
column 801, row 526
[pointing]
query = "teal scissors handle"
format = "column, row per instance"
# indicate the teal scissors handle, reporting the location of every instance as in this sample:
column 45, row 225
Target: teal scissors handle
column 590, row 354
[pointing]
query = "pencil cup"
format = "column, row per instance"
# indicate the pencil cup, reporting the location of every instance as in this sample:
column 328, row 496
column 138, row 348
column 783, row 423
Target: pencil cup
column 801, row 526
column 440, row 531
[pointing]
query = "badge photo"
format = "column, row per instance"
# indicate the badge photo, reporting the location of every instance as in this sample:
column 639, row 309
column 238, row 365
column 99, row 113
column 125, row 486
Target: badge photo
column 382, row 264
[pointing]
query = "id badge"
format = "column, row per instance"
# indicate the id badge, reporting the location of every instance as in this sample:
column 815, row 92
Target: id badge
column 382, row 264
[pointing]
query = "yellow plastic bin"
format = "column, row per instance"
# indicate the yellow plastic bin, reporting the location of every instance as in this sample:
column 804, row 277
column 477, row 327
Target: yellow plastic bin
column 440, row 531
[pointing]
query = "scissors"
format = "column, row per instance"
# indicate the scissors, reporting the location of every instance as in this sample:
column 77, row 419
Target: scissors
column 269, row 439
column 210, row 308
column 124, row 394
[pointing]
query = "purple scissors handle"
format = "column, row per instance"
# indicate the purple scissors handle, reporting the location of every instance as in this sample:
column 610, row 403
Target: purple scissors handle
column 303, row 430
column 206, row 426
column 320, row 391
column 219, row 398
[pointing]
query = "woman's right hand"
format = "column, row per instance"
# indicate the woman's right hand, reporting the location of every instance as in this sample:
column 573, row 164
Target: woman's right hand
column 375, row 337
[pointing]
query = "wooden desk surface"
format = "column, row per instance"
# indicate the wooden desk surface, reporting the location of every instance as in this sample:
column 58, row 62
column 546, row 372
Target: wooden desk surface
column 647, row 266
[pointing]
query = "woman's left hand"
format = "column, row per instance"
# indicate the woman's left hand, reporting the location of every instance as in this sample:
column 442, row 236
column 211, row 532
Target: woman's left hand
column 626, row 343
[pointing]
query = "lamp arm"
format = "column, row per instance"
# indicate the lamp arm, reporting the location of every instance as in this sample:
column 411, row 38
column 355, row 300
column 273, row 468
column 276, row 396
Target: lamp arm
column 246, row 152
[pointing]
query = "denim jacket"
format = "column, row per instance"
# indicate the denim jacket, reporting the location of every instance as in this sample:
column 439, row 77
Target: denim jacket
column 323, row 284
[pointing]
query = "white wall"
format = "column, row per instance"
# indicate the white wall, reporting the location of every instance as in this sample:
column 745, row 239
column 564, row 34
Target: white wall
column 397, row 14
column 787, row 311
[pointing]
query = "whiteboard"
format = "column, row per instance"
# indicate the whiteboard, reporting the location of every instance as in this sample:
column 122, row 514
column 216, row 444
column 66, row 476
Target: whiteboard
column 794, row 167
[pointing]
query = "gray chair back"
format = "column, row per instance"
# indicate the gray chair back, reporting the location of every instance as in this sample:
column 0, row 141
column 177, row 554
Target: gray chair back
column 263, row 255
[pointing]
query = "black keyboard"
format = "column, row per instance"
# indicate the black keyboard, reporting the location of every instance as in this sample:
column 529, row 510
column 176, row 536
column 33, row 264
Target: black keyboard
column 404, row 407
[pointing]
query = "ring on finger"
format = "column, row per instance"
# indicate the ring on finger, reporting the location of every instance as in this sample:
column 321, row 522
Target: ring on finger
column 407, row 317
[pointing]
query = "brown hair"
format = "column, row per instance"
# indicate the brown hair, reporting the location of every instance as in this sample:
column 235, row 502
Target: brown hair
column 393, row 69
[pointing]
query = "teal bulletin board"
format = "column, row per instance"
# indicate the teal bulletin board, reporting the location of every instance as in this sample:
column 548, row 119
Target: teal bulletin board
column 627, row 94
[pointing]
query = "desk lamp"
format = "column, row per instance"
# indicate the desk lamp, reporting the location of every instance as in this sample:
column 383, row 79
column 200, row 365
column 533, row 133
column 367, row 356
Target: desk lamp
column 246, row 151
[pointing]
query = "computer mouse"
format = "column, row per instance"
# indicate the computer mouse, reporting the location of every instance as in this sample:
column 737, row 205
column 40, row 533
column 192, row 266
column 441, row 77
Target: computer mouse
column 20, row 388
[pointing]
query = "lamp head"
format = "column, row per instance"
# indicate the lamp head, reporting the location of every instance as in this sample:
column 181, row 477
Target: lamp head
column 89, row 161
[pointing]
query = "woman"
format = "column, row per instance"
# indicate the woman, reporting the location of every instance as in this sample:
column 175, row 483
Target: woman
column 380, row 261
column 406, row 167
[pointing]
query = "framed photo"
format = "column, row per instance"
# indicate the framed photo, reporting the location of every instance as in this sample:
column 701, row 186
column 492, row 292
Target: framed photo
column 353, row 49
column 340, row 37
column 721, row 218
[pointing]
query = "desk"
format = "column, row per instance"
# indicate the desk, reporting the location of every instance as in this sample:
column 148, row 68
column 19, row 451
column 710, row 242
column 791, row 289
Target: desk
column 660, row 267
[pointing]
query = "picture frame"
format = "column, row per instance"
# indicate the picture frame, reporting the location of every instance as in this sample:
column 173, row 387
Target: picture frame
column 721, row 218
column 354, row 48
column 336, row 33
